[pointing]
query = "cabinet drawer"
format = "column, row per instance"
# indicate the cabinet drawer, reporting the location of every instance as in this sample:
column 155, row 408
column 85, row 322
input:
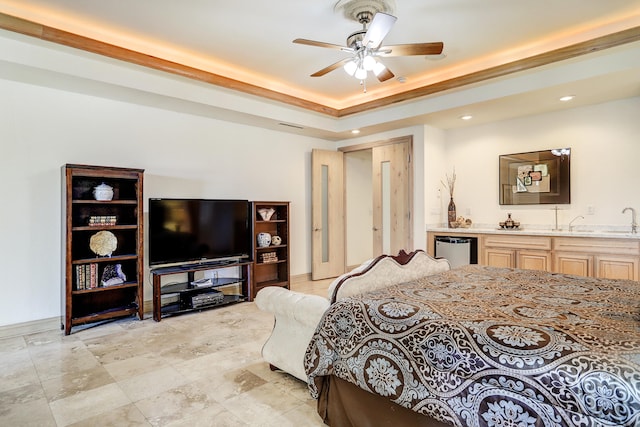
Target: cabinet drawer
column 597, row 245
column 518, row 242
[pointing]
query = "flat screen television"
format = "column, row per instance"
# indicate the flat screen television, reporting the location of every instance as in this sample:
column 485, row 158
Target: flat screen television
column 198, row 230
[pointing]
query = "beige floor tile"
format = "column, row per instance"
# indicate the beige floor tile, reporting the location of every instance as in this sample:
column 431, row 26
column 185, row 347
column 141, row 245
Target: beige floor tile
column 214, row 415
column 101, row 400
column 75, row 382
column 124, row 416
column 303, row 416
column 11, row 344
column 225, row 385
column 262, row 405
column 33, row 413
column 175, row 404
column 152, row 383
column 17, row 370
column 124, row 369
column 57, row 359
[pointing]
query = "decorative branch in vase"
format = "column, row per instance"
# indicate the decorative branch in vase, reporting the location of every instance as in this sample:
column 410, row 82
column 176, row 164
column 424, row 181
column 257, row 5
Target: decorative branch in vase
column 450, row 185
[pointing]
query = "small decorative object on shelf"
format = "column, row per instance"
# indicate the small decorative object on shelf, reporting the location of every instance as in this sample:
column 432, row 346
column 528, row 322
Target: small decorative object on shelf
column 276, row 240
column 112, row 275
column 101, row 220
column 268, row 257
column 451, row 210
column 103, row 192
column 462, row 222
column 510, row 223
column 103, row 243
column 264, row 240
column 266, row 213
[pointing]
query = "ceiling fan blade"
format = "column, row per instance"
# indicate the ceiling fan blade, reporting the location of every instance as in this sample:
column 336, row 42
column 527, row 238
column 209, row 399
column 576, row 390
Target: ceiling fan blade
column 330, row 68
column 412, row 49
column 385, row 75
column 378, row 30
column 322, row 44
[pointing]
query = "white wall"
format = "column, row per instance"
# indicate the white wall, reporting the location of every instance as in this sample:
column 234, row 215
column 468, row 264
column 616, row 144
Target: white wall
column 605, row 159
column 183, row 155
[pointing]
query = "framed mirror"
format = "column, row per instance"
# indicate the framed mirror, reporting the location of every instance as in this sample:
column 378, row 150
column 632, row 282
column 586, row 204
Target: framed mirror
column 538, row 177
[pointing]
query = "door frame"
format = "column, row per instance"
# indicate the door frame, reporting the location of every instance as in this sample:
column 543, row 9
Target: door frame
column 411, row 171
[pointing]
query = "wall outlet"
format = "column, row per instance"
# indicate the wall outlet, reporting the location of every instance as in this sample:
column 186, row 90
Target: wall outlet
column 591, row 210
column 467, row 211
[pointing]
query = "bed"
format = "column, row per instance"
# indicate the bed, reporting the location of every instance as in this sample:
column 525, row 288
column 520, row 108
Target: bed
column 481, row 346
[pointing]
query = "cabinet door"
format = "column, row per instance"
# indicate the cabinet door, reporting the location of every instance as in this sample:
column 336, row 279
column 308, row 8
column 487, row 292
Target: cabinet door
column 617, row 267
column 577, row 264
column 499, row 257
column 534, row 260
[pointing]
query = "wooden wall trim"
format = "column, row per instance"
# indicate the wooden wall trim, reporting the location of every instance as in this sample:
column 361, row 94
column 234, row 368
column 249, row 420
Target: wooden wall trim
column 54, row 35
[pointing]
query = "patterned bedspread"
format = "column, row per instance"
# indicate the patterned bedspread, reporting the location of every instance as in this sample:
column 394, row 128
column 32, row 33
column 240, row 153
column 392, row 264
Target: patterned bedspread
column 483, row 346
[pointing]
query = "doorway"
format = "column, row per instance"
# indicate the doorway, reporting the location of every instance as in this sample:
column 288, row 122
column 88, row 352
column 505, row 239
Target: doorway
column 377, row 188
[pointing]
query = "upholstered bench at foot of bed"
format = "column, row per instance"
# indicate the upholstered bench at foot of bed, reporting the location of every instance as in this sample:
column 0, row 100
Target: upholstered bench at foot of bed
column 296, row 317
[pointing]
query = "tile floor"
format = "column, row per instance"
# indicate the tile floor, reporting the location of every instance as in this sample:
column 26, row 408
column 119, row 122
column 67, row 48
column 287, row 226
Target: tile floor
column 198, row 369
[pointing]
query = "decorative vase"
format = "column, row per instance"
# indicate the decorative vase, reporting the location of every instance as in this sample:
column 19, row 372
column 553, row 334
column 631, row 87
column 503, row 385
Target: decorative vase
column 452, row 213
column 103, row 192
column 264, row 240
column 266, row 213
column 276, row 240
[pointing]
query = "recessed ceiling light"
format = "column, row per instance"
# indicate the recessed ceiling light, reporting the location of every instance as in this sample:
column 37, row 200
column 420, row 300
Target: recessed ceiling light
column 439, row 57
column 401, row 79
column 355, row 131
column 567, row 98
column 466, row 117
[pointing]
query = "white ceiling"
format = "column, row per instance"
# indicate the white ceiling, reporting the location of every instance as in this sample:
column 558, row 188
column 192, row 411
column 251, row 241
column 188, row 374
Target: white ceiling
column 251, row 40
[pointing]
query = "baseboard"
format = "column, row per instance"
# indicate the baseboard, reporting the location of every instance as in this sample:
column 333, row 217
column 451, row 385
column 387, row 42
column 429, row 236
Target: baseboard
column 32, row 327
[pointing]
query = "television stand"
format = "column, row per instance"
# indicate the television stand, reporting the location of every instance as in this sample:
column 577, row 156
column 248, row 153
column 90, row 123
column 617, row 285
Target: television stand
column 184, row 297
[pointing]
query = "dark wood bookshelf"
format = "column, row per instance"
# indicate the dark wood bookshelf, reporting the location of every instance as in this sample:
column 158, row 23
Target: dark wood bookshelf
column 100, row 303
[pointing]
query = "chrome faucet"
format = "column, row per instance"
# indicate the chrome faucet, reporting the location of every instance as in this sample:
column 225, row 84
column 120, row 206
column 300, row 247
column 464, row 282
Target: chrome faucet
column 634, row 224
column 571, row 222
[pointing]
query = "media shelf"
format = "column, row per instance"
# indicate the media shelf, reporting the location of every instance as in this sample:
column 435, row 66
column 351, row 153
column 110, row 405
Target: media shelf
column 182, row 297
column 88, row 295
column 271, row 263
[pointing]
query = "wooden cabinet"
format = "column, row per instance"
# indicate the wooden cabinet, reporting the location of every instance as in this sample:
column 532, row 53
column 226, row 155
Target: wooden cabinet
column 103, row 258
column 597, row 257
column 609, row 258
column 576, row 264
column 271, row 261
column 526, row 252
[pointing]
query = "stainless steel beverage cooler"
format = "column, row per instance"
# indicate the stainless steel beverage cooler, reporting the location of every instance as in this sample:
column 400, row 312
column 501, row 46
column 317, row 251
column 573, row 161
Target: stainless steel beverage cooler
column 458, row 251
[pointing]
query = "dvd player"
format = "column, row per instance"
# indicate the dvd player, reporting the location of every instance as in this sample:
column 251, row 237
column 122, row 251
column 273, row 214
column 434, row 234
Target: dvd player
column 207, row 299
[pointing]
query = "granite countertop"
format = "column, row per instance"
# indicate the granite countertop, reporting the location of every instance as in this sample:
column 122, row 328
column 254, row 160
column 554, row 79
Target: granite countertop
column 615, row 233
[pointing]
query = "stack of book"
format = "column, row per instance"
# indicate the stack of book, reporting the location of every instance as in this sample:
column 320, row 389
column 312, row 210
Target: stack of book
column 101, row 220
column 268, row 257
column 87, row 276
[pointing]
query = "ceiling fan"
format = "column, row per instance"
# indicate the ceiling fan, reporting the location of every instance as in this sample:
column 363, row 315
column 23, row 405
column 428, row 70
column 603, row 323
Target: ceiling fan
column 365, row 47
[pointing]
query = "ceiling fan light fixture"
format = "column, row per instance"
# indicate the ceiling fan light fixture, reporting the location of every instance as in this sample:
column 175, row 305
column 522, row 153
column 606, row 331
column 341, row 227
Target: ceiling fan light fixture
column 350, row 67
column 369, row 63
column 361, row 74
column 378, row 68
